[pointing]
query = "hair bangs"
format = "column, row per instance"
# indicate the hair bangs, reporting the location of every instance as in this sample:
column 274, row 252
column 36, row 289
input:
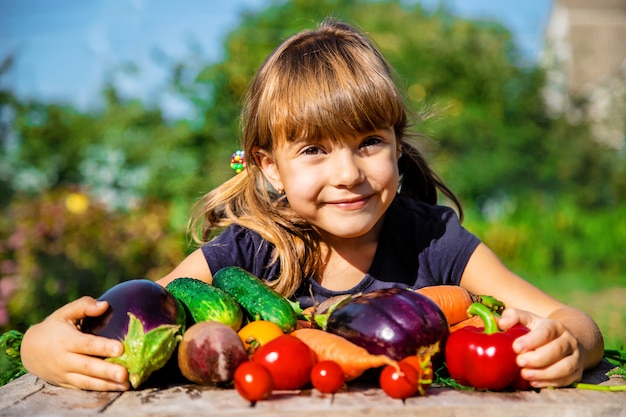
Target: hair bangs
column 326, row 91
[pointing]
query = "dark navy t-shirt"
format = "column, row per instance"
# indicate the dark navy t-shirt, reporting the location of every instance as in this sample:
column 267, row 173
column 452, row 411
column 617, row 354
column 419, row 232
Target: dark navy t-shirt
column 420, row 245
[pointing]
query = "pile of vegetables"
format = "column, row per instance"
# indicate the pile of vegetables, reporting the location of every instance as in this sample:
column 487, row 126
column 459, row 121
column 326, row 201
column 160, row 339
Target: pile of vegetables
column 240, row 333
column 274, row 351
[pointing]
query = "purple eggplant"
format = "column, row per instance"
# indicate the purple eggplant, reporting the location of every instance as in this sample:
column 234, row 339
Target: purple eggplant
column 147, row 319
column 395, row 322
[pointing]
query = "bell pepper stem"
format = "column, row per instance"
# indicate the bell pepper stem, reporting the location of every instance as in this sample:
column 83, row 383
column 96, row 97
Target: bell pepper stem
column 486, row 315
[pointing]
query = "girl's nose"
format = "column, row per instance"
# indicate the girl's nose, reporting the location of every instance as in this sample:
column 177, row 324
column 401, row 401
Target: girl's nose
column 346, row 171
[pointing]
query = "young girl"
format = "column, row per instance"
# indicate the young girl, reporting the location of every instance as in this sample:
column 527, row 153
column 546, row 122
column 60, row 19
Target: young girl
column 334, row 199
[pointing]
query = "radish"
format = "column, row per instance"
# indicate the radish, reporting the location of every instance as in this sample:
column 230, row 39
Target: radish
column 210, row 352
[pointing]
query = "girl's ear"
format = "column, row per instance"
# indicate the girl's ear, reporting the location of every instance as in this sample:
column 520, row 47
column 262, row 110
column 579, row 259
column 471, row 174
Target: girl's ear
column 268, row 166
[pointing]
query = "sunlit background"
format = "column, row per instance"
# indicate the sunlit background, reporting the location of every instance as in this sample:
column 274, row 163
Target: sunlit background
column 116, row 115
column 64, row 50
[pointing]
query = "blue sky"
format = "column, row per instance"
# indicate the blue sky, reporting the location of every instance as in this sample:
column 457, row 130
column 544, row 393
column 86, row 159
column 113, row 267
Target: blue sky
column 63, row 48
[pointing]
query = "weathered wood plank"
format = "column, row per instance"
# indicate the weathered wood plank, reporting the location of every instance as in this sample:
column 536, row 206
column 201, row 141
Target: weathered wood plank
column 29, row 396
column 18, row 390
column 49, row 400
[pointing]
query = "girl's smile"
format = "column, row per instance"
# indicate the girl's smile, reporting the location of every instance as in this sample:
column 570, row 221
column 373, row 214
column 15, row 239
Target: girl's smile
column 349, row 204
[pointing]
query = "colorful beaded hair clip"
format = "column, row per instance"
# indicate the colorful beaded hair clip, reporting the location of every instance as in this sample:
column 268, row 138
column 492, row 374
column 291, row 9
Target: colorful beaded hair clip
column 238, row 161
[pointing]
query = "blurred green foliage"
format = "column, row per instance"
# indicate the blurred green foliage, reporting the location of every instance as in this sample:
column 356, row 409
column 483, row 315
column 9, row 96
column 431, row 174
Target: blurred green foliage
column 61, row 245
column 89, row 199
column 10, row 360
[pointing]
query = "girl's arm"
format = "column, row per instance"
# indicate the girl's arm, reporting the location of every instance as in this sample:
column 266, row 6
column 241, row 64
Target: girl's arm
column 57, row 351
column 194, row 266
column 563, row 340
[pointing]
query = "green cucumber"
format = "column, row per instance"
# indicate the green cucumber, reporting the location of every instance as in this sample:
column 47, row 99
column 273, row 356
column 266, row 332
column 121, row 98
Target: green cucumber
column 258, row 300
column 204, row 302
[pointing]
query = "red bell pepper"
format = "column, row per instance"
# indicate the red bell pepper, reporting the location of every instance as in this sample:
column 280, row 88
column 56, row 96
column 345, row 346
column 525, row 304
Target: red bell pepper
column 484, row 357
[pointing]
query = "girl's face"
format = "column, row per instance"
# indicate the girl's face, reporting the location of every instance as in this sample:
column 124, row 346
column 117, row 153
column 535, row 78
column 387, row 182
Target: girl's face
column 344, row 186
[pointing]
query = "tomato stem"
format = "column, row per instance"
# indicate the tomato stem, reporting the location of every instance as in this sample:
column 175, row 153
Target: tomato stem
column 486, row 315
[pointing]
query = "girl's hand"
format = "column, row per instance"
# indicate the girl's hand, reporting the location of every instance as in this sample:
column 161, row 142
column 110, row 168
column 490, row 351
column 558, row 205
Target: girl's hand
column 59, row 353
column 549, row 354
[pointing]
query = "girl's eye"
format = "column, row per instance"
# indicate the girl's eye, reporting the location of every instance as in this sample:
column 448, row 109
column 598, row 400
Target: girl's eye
column 371, row 141
column 312, row 150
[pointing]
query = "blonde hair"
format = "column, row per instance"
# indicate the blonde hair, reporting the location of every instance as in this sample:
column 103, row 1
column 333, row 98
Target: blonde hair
column 318, row 83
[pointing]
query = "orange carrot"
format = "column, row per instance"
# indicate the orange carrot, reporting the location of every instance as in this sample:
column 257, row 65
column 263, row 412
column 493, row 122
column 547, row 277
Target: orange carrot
column 353, row 359
column 472, row 321
column 451, row 299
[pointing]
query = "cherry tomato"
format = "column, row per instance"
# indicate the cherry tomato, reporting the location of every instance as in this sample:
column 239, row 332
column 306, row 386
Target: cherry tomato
column 253, row 382
column 327, row 377
column 289, row 361
column 399, row 384
column 257, row 333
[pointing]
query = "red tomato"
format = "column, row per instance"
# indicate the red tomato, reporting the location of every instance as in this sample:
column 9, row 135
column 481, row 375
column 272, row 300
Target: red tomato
column 289, row 361
column 253, row 382
column 327, row 377
column 399, row 384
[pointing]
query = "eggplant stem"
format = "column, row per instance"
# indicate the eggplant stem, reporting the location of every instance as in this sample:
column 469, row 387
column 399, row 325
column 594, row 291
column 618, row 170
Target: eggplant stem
column 486, row 315
column 321, row 320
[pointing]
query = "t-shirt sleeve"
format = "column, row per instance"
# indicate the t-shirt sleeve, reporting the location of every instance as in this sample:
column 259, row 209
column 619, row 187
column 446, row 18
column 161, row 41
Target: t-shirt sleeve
column 237, row 246
column 445, row 258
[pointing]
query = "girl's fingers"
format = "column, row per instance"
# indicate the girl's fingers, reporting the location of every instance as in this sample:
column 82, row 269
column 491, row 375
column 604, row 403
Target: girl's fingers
column 562, row 348
column 78, row 342
column 98, row 368
column 512, row 316
column 537, row 337
column 87, row 344
column 85, row 382
column 80, row 308
column 559, row 374
column 90, row 373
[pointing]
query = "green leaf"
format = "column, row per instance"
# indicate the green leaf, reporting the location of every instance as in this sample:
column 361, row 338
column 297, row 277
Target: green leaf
column 144, row 352
column 10, row 343
column 618, row 358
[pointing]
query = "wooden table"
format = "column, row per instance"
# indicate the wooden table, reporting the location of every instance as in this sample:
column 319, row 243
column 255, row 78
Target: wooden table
column 29, row 397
